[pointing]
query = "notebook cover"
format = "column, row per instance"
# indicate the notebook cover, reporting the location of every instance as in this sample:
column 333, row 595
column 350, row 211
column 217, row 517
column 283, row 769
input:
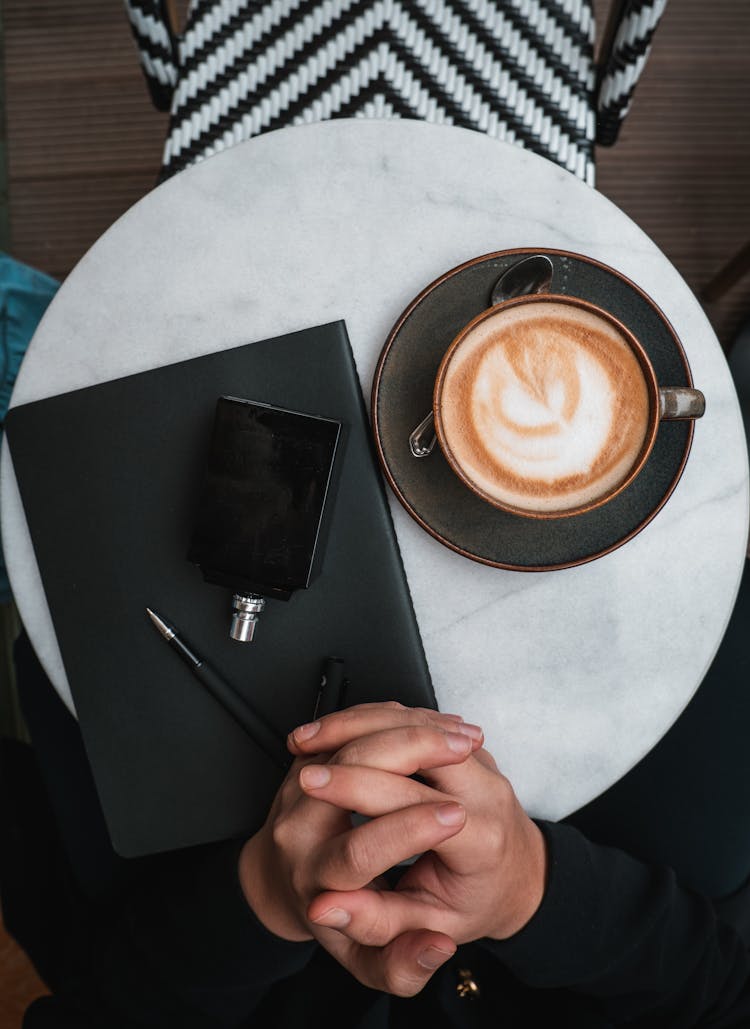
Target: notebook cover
column 109, row 477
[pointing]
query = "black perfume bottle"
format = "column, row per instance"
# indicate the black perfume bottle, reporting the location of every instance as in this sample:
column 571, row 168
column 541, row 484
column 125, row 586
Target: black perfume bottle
column 258, row 524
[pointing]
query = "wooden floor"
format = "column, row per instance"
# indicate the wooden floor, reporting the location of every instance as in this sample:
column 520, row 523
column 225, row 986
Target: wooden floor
column 84, row 143
column 19, row 984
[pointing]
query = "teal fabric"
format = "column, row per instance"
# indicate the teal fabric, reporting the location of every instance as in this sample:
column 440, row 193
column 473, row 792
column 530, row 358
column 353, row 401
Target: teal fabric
column 24, row 296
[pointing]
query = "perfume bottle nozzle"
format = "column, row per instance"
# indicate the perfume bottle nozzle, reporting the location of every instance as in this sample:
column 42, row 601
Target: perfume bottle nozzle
column 246, row 608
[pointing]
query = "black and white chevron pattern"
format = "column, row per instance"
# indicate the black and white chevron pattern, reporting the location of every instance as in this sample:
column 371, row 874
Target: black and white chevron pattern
column 519, row 70
column 156, row 48
column 626, row 60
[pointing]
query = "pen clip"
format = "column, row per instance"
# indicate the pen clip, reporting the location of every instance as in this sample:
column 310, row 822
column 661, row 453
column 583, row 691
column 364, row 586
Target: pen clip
column 331, row 689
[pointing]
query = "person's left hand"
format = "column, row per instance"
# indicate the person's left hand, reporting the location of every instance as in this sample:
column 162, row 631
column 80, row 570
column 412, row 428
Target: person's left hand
column 487, row 880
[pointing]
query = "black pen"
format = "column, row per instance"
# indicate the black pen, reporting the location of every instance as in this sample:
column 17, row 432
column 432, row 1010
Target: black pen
column 258, row 730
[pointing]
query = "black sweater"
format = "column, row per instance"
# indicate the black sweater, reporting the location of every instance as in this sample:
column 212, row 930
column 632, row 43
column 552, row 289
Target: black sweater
column 615, row 942
column 169, row 941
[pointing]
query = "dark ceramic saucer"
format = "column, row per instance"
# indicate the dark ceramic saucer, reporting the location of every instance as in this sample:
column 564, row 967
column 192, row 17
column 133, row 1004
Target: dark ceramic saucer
column 435, row 497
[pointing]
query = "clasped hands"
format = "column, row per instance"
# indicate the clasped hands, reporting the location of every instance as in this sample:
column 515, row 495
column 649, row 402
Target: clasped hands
column 309, row 873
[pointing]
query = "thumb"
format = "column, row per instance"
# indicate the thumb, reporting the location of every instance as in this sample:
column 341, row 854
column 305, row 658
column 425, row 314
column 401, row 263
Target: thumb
column 402, row 968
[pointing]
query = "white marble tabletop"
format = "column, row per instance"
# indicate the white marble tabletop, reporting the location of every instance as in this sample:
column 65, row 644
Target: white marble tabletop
column 573, row 674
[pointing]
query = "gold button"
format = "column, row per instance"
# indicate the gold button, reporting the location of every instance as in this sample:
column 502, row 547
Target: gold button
column 467, row 986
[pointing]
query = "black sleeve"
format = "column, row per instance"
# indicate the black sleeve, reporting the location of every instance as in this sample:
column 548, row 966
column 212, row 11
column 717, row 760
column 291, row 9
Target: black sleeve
column 167, row 940
column 185, row 949
column 626, row 935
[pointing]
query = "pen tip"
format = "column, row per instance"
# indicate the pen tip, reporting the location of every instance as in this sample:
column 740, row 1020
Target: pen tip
column 161, row 625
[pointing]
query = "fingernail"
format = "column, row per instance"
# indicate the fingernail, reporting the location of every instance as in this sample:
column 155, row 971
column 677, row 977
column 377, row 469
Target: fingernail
column 314, row 776
column 334, row 918
column 307, row 731
column 453, row 718
column 432, row 958
column 458, row 742
column 450, row 814
column 470, row 730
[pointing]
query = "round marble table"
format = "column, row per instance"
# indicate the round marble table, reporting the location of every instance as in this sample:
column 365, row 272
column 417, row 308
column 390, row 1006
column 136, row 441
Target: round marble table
column 574, row 674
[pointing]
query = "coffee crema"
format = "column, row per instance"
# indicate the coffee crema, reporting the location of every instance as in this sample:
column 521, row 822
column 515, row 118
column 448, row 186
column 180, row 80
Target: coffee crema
column 544, row 407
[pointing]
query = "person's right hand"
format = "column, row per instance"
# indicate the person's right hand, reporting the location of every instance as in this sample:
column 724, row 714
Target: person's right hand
column 308, row 846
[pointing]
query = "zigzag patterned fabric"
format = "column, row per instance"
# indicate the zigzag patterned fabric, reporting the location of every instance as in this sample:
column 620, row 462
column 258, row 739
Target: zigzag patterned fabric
column 624, row 64
column 156, row 47
column 518, row 70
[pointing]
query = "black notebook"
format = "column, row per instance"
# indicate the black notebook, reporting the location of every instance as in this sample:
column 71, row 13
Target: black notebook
column 109, row 477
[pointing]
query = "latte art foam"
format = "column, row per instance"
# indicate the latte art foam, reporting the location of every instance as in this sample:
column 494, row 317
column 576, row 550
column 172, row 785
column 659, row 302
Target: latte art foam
column 545, row 407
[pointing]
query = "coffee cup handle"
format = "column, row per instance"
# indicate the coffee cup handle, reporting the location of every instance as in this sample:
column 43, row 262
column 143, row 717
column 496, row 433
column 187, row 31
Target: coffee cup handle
column 676, row 402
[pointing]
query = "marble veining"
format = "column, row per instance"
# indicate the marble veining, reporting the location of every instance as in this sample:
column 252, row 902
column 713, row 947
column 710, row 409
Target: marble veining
column 573, row 674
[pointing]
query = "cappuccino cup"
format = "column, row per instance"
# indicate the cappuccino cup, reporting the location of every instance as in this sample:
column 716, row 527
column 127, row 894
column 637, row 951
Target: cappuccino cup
column 548, row 406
